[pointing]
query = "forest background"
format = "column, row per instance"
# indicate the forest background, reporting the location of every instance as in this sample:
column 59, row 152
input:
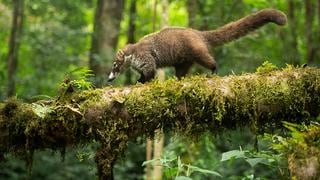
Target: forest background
column 55, row 37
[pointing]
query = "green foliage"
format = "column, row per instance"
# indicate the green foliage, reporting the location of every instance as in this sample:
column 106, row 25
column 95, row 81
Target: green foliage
column 301, row 136
column 266, row 67
column 301, row 148
column 234, row 154
column 48, row 165
column 251, row 157
column 175, row 168
column 256, row 160
column 56, row 38
column 78, row 78
column 41, row 110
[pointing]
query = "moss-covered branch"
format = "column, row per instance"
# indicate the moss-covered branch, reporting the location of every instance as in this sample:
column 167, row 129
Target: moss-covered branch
column 190, row 106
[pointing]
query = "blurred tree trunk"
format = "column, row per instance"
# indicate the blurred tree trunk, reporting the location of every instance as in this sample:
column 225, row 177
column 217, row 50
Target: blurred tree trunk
column 294, row 55
column 131, row 32
column 105, row 36
column 192, row 8
column 318, row 42
column 149, row 141
column 154, row 17
column 14, row 44
column 159, row 140
column 148, row 157
column 132, row 21
column 309, row 18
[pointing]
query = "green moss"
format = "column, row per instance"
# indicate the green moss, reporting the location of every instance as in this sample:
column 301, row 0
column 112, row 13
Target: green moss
column 266, row 67
column 189, row 107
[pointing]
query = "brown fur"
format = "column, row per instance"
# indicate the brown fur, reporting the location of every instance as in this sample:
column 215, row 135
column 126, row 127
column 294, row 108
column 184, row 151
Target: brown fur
column 181, row 47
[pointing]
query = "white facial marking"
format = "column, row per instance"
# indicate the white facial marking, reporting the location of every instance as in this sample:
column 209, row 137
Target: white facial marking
column 126, row 58
column 111, row 75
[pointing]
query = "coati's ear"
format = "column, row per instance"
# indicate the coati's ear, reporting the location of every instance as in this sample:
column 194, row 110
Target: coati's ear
column 129, row 45
column 128, row 49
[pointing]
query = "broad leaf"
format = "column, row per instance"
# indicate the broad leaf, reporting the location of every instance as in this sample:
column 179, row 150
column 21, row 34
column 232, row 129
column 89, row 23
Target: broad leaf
column 194, row 168
column 254, row 161
column 183, row 178
column 234, row 154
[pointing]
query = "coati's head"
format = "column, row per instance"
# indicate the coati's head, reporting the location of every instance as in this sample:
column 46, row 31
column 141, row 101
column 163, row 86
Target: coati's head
column 121, row 61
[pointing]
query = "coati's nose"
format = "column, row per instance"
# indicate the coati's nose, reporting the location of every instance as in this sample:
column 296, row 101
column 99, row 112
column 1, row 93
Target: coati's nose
column 111, row 77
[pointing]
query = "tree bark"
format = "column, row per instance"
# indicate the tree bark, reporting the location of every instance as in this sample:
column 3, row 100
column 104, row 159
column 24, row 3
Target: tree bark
column 309, row 19
column 318, row 42
column 107, row 19
column 14, row 44
column 190, row 107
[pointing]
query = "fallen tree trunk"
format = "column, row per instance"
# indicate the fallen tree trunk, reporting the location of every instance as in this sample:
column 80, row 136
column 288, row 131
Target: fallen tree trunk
column 113, row 116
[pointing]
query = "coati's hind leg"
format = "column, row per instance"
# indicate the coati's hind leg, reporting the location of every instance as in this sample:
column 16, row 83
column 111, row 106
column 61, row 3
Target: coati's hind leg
column 202, row 56
column 207, row 61
column 182, row 69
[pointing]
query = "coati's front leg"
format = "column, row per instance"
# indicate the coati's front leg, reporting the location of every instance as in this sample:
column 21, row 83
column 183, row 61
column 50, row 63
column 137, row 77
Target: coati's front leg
column 182, row 69
column 147, row 69
column 146, row 76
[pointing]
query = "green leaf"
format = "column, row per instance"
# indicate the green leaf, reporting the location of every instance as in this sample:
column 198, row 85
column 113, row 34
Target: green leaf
column 266, row 67
column 183, row 178
column 170, row 172
column 205, row 171
column 234, row 154
column 41, row 110
column 254, row 161
column 150, row 161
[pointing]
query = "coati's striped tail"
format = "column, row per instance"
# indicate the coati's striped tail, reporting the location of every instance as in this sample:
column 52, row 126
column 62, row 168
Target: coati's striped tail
column 243, row 26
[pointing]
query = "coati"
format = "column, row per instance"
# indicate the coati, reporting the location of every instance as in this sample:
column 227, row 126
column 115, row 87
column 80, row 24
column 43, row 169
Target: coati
column 181, row 47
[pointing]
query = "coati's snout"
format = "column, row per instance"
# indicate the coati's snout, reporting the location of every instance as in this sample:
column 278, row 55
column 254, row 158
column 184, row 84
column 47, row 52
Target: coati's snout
column 116, row 69
column 111, row 76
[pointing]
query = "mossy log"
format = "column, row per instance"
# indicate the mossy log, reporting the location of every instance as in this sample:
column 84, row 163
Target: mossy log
column 115, row 115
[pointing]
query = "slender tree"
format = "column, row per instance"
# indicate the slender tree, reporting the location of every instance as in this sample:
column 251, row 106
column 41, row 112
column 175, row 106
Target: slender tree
column 192, row 8
column 318, row 43
column 131, row 32
column 107, row 19
column 292, row 21
column 159, row 140
column 14, row 44
column 132, row 21
column 149, row 141
column 309, row 19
